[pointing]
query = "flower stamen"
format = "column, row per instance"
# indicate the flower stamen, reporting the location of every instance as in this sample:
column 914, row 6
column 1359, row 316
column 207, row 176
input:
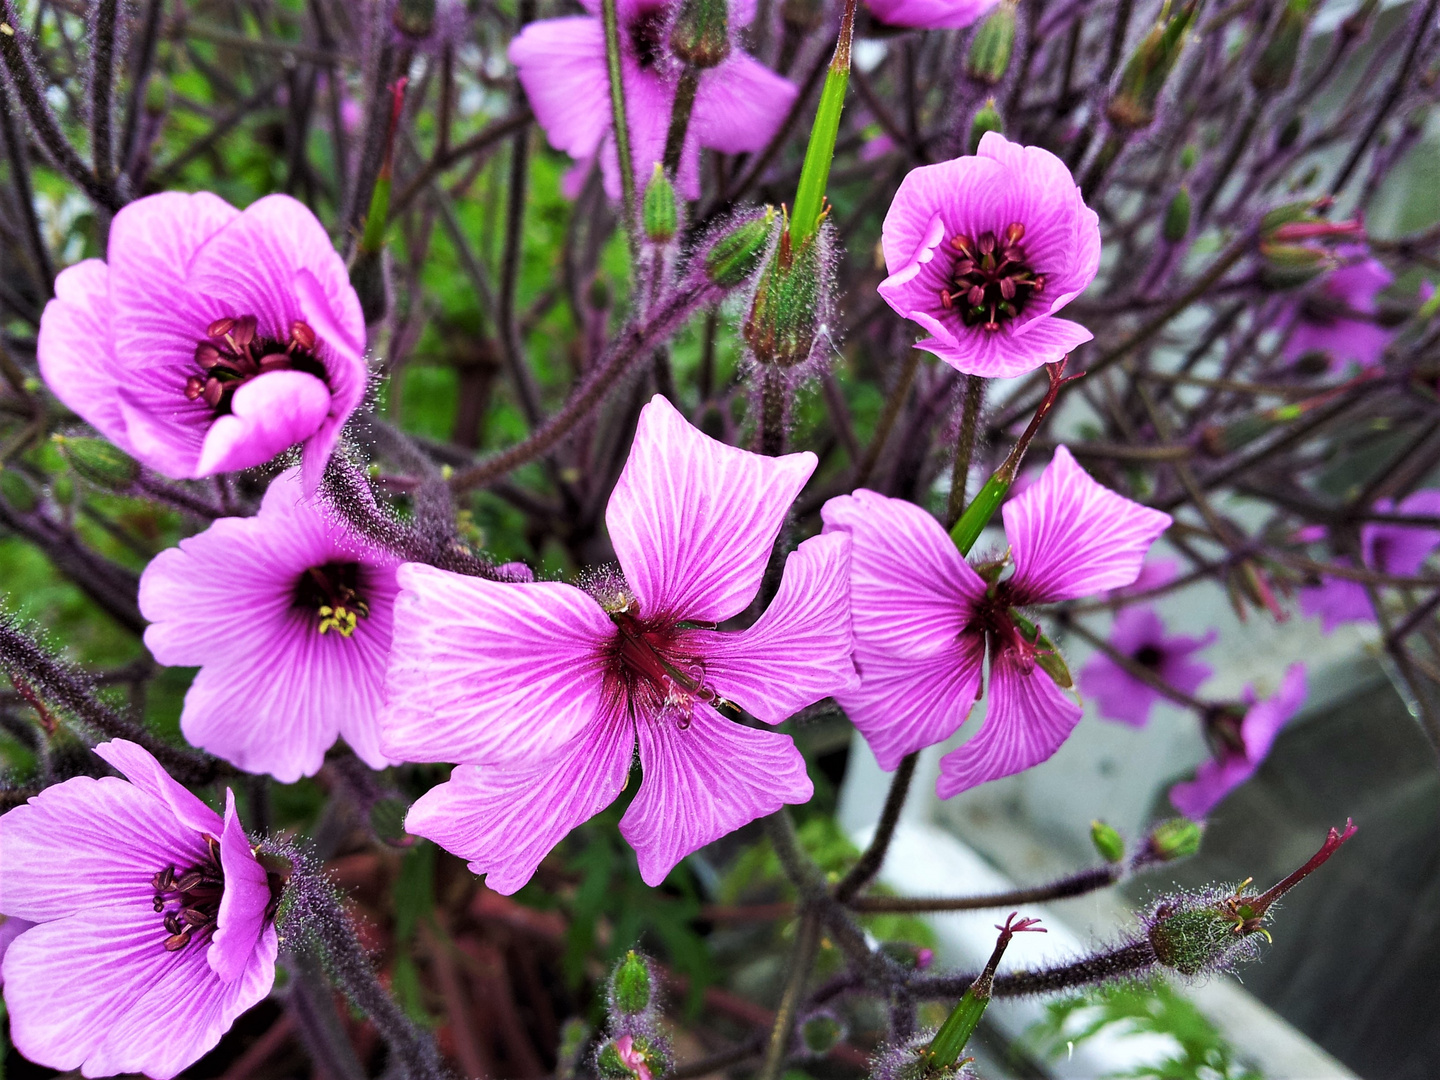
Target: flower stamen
column 233, row 354
column 991, row 282
column 195, row 895
column 332, row 592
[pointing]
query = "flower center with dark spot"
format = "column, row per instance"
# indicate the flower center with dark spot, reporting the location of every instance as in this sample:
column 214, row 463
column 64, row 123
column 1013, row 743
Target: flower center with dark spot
column 232, row 355
column 189, row 901
column 647, row 35
column 332, row 593
column 1148, row 656
column 657, row 676
column 991, row 282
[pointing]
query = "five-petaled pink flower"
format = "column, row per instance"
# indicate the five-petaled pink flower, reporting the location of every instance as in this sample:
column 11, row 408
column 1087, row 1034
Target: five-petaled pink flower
column 924, row 619
column 930, row 14
column 288, row 614
column 1387, row 547
column 1139, row 633
column 1241, row 739
column 212, row 339
column 983, row 250
column 739, row 104
column 152, row 922
column 1337, row 318
column 542, row 691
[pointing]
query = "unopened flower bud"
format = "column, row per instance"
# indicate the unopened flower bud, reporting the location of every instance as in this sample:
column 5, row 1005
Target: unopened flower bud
column 989, row 56
column 414, row 18
column 1188, row 156
column 98, row 461
column 630, row 985
column 1108, row 841
column 1144, row 74
column 387, row 821
column 820, row 1033
column 1177, row 216
column 1178, row 838
column 658, row 213
column 1288, row 266
column 1276, row 64
column 739, row 251
column 701, row 34
column 987, row 118
column 784, row 319
column 16, row 489
column 574, row 1034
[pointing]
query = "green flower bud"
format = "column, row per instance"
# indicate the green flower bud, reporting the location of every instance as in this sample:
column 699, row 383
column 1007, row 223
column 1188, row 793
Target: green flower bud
column 821, row 1033
column 16, row 490
column 701, row 35
column 1193, row 940
column 990, row 49
column 1178, row 838
column 1276, row 64
column 1288, row 266
column 630, row 985
column 784, row 318
column 1144, row 74
column 1108, row 841
column 1188, row 157
column 1177, row 216
column 98, row 461
column 574, row 1034
column 986, row 119
column 738, row 253
column 414, row 18
column 657, row 211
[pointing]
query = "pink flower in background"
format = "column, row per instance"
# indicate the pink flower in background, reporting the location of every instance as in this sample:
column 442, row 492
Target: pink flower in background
column 1139, row 633
column 983, row 250
column 1241, row 743
column 1336, row 317
column 544, row 690
column 1391, row 549
column 739, row 104
column 930, row 14
column 289, row 617
column 1154, row 574
column 212, row 339
column 924, row 620
column 152, row 922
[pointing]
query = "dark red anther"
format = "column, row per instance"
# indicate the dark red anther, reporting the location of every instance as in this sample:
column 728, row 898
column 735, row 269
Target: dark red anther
column 244, row 331
column 212, row 392
column 206, row 355
column 301, row 336
column 220, row 327
column 1014, row 233
column 176, row 942
column 274, row 362
column 194, row 387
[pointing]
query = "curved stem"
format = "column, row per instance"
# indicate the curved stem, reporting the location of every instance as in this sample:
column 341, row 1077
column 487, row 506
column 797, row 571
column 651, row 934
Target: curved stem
column 1075, row 885
column 869, row 864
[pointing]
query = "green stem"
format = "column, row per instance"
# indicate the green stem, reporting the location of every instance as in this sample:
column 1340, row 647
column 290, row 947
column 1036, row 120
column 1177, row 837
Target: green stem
column 815, row 173
column 807, row 941
column 621, row 125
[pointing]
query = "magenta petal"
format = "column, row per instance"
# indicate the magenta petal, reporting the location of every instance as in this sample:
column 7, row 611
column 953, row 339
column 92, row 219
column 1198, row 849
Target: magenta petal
column 1263, row 721
column 703, row 782
column 799, row 650
column 1213, row 781
column 505, row 819
column 693, row 520
column 906, row 704
column 484, row 671
column 1336, row 601
column 740, row 105
column 141, row 769
column 930, row 14
column 1028, row 718
column 1072, row 537
column 561, row 65
column 241, row 919
column 270, row 413
column 1118, row 695
column 911, row 591
column 10, row 929
column 1402, row 549
column 1010, row 351
column 73, row 349
column 346, row 372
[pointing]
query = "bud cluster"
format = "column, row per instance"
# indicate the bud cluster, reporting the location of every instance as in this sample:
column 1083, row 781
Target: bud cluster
column 634, row 1047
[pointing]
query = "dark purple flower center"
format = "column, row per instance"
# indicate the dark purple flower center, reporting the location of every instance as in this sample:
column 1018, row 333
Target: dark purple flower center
column 991, row 282
column 995, row 617
column 647, row 37
column 232, row 355
column 189, row 901
column 1224, row 730
column 332, row 592
column 1148, row 656
column 650, row 665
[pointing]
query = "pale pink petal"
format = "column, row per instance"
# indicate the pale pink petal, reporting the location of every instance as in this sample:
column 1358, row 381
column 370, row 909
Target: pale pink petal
column 73, row 349
column 241, row 919
column 561, row 65
column 1014, row 349
column 10, row 929
column 484, row 671
column 911, row 591
column 693, row 520
column 1071, row 537
column 142, row 770
column 1027, row 719
column 930, row 14
column 270, row 413
column 504, row 819
column 346, row 373
column 740, row 105
column 703, row 782
column 799, row 650
column 904, row 704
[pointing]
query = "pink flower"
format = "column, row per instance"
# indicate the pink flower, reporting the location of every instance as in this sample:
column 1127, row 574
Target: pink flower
column 1336, row 318
column 152, row 916
column 930, row 14
column 924, row 619
column 983, row 250
column 1241, row 743
column 1139, row 633
column 631, row 1057
column 561, row 63
column 544, row 690
column 289, row 617
column 1391, row 549
column 212, row 339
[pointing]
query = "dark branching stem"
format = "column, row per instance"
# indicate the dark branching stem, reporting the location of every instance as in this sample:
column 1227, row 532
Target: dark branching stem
column 24, row 193
column 802, row 957
column 894, row 402
column 102, row 86
column 774, row 406
column 964, row 448
column 1130, row 960
column 140, row 79
column 1087, row 881
column 869, row 863
column 680, row 118
column 510, row 339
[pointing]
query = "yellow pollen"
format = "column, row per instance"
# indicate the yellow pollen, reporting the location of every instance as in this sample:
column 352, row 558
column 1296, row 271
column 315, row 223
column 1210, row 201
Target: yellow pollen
column 341, row 619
